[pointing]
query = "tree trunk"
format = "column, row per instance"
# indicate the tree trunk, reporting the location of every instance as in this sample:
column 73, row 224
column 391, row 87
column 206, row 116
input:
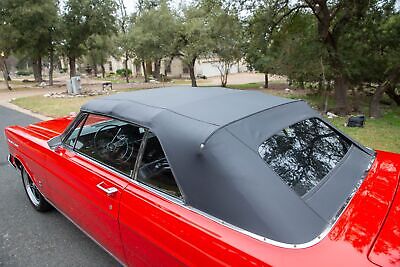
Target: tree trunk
column 224, row 71
column 146, row 79
column 225, row 78
column 72, row 66
column 126, row 67
column 103, row 71
column 37, row 69
column 51, row 67
column 391, row 92
column 341, row 87
column 191, row 72
column 5, row 72
column 157, row 69
column 356, row 98
column 266, row 81
column 149, row 68
column 325, row 88
column 374, row 108
column 301, row 84
column 95, row 70
column 5, row 75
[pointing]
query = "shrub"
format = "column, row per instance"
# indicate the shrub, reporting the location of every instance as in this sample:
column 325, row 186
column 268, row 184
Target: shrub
column 23, row 73
column 121, row 72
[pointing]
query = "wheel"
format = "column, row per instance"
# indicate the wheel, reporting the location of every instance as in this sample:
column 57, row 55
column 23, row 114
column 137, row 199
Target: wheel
column 35, row 197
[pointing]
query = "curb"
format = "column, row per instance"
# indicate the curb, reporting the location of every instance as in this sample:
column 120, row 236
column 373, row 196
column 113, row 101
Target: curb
column 25, row 111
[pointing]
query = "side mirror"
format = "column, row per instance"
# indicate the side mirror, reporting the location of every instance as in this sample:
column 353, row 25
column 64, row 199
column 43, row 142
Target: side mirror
column 55, row 142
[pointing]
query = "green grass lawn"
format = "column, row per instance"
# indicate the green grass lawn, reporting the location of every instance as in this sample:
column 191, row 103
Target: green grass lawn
column 52, row 107
column 382, row 133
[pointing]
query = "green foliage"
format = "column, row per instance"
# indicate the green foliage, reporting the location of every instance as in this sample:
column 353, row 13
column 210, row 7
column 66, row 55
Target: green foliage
column 289, row 47
column 371, row 46
column 26, row 25
column 83, row 18
column 295, row 50
column 27, row 29
column 153, row 34
column 100, row 48
column 194, row 38
column 23, row 73
column 121, row 72
column 226, row 38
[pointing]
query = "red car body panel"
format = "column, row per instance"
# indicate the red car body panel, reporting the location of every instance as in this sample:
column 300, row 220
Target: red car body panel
column 140, row 227
column 385, row 251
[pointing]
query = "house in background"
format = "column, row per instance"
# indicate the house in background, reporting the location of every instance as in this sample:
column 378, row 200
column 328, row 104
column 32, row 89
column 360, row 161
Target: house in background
column 175, row 68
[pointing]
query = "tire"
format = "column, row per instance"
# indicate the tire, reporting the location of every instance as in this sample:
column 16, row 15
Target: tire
column 37, row 200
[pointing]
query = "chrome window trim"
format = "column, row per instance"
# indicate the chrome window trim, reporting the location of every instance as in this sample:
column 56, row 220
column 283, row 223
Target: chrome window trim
column 140, row 155
column 78, row 119
column 101, row 165
column 159, row 193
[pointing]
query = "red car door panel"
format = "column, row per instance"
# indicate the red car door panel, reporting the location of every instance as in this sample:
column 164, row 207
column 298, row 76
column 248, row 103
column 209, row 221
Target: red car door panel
column 155, row 230
column 78, row 189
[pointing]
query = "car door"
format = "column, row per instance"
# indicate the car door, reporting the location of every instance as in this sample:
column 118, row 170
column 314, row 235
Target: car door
column 144, row 216
column 89, row 173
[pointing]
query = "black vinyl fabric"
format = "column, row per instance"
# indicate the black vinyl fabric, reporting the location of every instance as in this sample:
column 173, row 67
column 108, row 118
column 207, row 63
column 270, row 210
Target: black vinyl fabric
column 211, row 138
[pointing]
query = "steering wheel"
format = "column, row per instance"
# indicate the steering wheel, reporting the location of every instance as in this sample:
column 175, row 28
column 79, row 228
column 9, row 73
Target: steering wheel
column 154, row 168
column 112, row 144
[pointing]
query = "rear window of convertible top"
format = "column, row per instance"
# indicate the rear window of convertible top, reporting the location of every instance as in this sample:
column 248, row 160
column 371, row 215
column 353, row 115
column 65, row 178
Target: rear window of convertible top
column 304, row 153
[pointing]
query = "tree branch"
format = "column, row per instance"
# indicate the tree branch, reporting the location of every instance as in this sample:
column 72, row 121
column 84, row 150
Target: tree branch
column 285, row 15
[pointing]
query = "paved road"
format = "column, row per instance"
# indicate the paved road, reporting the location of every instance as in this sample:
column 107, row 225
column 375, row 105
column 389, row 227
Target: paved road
column 29, row 238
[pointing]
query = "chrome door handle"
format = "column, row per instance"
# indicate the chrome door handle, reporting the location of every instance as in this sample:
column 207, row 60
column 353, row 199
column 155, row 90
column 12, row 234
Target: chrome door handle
column 109, row 191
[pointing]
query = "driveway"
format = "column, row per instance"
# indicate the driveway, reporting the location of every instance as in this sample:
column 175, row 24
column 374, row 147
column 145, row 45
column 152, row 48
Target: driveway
column 30, row 238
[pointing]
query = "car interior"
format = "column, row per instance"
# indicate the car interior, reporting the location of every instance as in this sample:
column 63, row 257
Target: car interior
column 154, row 169
column 117, row 144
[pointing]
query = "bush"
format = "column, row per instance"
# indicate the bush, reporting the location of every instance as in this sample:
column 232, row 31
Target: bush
column 23, row 73
column 121, row 72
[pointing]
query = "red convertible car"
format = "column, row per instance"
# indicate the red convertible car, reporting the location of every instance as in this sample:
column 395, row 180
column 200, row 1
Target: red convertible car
column 210, row 177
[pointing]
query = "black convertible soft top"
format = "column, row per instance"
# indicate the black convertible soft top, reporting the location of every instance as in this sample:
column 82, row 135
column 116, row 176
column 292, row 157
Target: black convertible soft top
column 211, row 138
